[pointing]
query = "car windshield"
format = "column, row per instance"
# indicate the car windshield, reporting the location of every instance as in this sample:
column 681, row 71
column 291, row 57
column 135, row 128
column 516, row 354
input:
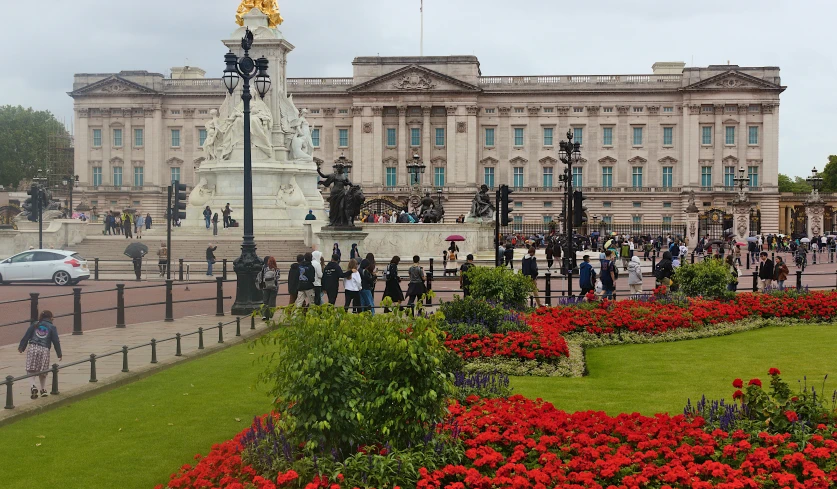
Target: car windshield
column 77, row 257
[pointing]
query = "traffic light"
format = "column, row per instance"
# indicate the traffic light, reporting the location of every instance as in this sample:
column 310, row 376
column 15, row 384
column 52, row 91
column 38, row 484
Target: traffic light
column 179, row 200
column 505, row 205
column 35, row 201
column 578, row 209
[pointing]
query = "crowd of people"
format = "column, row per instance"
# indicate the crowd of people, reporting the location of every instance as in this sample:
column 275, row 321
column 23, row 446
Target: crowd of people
column 126, row 223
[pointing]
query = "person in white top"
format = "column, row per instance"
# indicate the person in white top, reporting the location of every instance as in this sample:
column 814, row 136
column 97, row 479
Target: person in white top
column 316, row 263
column 683, row 251
column 352, row 286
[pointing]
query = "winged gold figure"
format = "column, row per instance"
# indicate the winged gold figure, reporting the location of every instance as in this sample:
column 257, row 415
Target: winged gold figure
column 267, row 7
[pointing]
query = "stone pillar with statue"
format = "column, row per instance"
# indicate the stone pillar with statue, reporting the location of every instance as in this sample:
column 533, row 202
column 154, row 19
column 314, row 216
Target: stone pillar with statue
column 692, row 219
column 815, row 206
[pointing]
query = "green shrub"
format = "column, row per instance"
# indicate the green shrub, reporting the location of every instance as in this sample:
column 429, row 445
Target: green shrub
column 708, row 278
column 344, row 379
column 501, row 286
column 473, row 315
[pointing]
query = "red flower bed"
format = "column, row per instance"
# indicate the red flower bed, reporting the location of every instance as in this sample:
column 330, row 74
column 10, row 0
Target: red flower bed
column 514, row 345
column 519, row 443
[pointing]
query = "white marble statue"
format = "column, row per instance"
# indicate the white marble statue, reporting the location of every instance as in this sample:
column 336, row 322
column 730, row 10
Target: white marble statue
column 302, row 146
column 230, row 131
column 211, row 136
column 201, row 194
column 291, row 195
column 289, row 114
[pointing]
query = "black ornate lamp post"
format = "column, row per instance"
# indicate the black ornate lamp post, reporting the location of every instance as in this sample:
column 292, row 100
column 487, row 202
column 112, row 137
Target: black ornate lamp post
column 815, row 180
column 415, row 168
column 569, row 153
column 743, row 181
column 248, row 298
column 70, row 181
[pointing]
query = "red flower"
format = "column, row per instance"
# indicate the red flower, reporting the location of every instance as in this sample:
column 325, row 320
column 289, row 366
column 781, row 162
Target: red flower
column 738, row 383
column 755, row 382
column 773, row 372
column 738, row 395
column 792, row 416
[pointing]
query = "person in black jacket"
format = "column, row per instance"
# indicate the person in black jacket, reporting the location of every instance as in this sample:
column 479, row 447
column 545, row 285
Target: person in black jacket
column 210, row 258
column 39, row 338
column 332, row 275
column 508, row 254
column 765, row 271
column 664, row 270
column 293, row 280
column 392, row 288
column 305, row 286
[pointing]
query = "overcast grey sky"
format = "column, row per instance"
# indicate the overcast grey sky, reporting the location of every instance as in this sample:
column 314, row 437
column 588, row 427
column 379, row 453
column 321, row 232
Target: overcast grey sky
column 47, row 42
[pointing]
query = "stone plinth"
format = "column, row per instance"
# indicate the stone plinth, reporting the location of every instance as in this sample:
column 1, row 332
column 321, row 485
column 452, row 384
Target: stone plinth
column 345, row 237
column 815, row 212
column 741, row 220
column 692, row 237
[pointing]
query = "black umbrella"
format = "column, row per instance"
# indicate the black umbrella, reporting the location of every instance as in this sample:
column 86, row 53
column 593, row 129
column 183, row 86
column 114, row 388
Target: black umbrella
column 717, row 241
column 136, row 250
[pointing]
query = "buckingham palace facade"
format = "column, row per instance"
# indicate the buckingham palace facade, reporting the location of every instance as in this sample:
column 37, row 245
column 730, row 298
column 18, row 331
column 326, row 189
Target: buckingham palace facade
column 646, row 140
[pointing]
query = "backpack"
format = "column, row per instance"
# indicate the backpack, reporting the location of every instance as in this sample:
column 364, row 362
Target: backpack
column 526, row 267
column 269, row 279
column 615, row 270
column 302, row 276
column 593, row 277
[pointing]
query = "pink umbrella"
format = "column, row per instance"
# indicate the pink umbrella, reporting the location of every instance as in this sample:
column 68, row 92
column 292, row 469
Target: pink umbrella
column 455, row 237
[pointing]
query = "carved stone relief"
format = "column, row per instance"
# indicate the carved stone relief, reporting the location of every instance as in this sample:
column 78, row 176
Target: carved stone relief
column 377, row 111
column 357, row 111
column 533, row 110
column 504, row 111
column 328, row 111
column 473, row 110
column 414, row 81
column 593, row 110
column 563, row 111
column 367, row 127
column 461, row 127
column 623, row 109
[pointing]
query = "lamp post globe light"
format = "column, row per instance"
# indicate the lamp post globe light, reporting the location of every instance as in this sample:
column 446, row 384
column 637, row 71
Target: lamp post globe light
column 248, row 297
column 569, row 153
column 70, row 181
column 415, row 167
column 815, row 180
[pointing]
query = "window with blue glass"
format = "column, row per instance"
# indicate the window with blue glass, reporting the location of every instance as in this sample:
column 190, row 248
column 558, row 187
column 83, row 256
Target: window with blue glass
column 201, row 136
column 578, row 135
column 547, row 219
column 175, row 175
column 607, row 136
column 97, row 138
column 753, row 173
column 488, row 176
column 547, row 136
column 439, row 177
column 668, row 136
column 753, row 135
column 547, row 177
column 97, row 176
column 117, row 138
column 139, row 179
column 518, row 224
column 391, row 136
column 706, row 176
column 138, row 138
column 415, row 136
column 706, row 135
column 729, row 176
column 730, row 135
column 636, row 177
column 518, row 136
column 518, row 176
column 607, row 176
column 637, row 136
column 668, row 176
column 489, row 136
column 315, row 137
column 577, row 177
column 343, row 138
column 440, row 136
column 175, row 138
column 117, row 176
column 392, row 179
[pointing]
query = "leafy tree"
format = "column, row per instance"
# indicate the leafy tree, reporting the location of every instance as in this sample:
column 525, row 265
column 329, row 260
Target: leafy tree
column 829, row 175
column 797, row 184
column 785, row 183
column 23, row 142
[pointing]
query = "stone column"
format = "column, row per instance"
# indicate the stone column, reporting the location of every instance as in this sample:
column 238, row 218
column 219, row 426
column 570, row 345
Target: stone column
column 107, row 170
column 359, row 173
column 425, row 140
column 692, row 227
column 815, row 210
column 742, row 141
column 468, row 168
column 81, row 155
column 456, row 168
column 741, row 220
column 377, row 145
column 403, row 178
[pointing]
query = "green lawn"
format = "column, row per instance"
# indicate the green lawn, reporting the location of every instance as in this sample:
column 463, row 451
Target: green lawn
column 660, row 377
column 138, row 434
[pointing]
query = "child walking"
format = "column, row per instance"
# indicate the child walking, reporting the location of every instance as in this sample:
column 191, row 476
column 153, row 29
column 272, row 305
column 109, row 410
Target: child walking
column 39, row 338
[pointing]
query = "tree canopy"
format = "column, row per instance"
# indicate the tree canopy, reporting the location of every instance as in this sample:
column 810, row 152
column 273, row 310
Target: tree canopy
column 829, row 175
column 796, row 184
column 24, row 141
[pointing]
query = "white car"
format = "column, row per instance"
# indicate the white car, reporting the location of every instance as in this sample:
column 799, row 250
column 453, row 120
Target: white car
column 57, row 266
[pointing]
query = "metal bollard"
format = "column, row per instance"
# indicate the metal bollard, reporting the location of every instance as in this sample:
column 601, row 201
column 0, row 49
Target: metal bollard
column 224, row 268
column 153, row 350
column 531, row 301
column 120, row 305
column 755, row 281
column 548, row 289
column 178, row 353
column 748, row 260
column 252, row 322
column 77, row 311
column 799, row 280
column 429, row 301
column 124, row 358
column 33, row 305
column 219, row 296
column 570, row 282
column 180, row 269
column 10, row 402
column 169, row 302
column 220, row 332
column 200, row 338
column 693, row 258
column 654, row 263
column 54, row 391
column 93, row 368
column 238, row 326
column 95, row 269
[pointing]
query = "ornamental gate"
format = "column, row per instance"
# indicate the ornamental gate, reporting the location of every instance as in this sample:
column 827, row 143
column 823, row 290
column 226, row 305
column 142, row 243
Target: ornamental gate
column 799, row 220
column 715, row 223
column 383, row 206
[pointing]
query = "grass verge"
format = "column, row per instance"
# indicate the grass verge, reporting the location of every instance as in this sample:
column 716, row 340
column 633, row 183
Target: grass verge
column 654, row 378
column 136, row 435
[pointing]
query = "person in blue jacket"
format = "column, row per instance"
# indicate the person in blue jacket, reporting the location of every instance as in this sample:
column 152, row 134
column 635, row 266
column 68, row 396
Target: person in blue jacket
column 37, row 342
column 585, row 276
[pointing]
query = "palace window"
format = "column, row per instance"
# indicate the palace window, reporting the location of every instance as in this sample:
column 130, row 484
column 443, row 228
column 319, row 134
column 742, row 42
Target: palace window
column 97, row 138
column 488, row 176
column 343, row 138
column 518, row 224
column 138, row 176
column 547, row 219
column 315, row 137
column 578, row 133
column 706, row 135
column 607, row 136
column 607, row 176
column 636, row 177
column 117, row 138
column 97, row 176
column 138, row 138
column 117, row 176
column 547, row 203
column 637, row 204
column 637, row 109
column 415, row 136
column 729, row 176
column 518, row 110
column 668, row 136
column 547, row 177
column 490, row 111
column 578, row 109
column 753, row 173
column 637, row 136
column 392, row 176
column 489, row 136
column 753, row 135
column 440, row 136
column 201, row 137
column 607, row 109
column 706, row 176
column 175, row 175
column 391, row 136
column 577, row 177
column 668, row 109
column 518, row 176
column 518, row 136
column 668, row 176
column 439, row 177
column 175, row 138
column 547, row 136
column 730, row 135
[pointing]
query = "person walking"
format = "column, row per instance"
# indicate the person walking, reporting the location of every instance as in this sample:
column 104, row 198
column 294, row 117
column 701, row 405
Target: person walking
column 352, row 285
column 148, row 221
column 608, row 275
column 354, row 253
column 293, row 279
column 332, row 273
column 635, row 275
column 317, row 263
column 765, row 271
column 529, row 268
column 367, row 283
column 207, row 216
column 226, row 211
column 305, row 288
column 732, row 286
column 140, row 224
column 41, row 336
column 210, row 258
column 162, row 259
column 508, row 254
column 335, row 251
column 215, row 224
column 127, row 225
column 464, row 278
column 780, row 272
column 550, row 254
column 137, row 261
column 586, row 276
column 625, row 254
column 269, row 282
column 392, row 283
column 416, row 286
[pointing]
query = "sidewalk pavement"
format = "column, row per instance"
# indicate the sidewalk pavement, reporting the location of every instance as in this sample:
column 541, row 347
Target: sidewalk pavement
column 74, row 382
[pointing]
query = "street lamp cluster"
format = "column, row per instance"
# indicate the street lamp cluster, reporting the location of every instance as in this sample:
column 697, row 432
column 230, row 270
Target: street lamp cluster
column 569, row 153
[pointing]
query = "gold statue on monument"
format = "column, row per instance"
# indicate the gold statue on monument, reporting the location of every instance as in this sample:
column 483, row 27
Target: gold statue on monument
column 267, row 7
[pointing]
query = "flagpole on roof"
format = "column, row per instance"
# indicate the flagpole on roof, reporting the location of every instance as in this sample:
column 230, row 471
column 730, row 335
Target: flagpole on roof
column 421, row 42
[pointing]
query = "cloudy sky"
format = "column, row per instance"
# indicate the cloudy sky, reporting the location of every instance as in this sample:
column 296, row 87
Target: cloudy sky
column 47, row 45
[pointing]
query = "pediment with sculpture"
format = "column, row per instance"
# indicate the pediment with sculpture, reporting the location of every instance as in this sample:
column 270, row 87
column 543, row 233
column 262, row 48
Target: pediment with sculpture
column 734, row 80
column 414, row 78
column 113, row 85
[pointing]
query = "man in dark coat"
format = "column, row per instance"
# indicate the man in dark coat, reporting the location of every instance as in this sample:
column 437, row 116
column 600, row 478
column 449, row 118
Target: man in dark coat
column 765, row 271
column 332, row 274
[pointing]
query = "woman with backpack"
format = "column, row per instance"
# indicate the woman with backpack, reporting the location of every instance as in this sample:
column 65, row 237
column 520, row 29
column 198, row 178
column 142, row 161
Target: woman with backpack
column 392, row 289
column 269, row 282
column 732, row 286
column 367, row 284
column 39, row 338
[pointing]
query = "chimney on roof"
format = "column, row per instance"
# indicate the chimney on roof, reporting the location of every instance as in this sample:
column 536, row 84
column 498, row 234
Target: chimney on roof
column 187, row 72
column 668, row 67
